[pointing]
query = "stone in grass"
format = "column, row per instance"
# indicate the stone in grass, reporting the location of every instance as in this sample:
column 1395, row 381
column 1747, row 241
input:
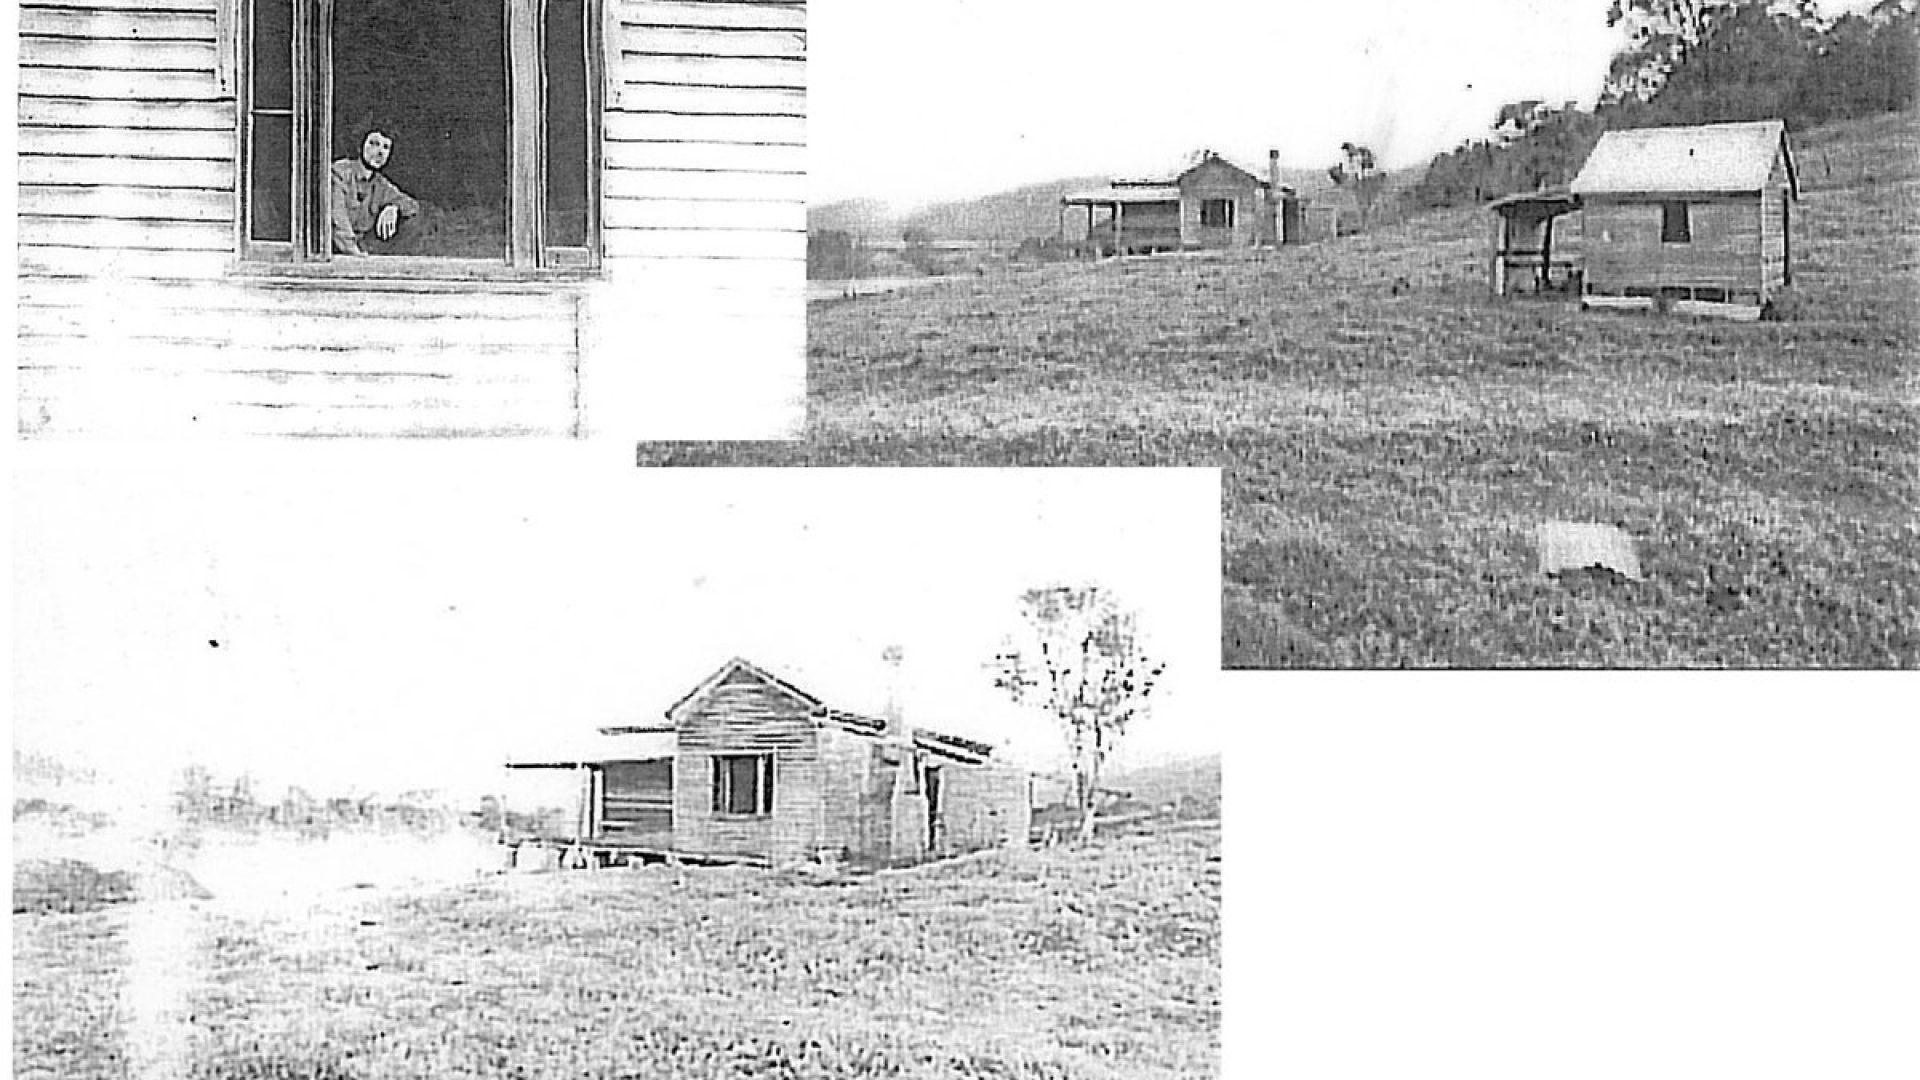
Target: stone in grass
column 1574, row 546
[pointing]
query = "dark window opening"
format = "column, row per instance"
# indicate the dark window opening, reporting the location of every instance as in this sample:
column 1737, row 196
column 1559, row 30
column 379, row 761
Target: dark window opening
column 1216, row 213
column 491, row 108
column 743, row 784
column 1674, row 226
column 270, row 189
column 431, row 76
column 566, row 123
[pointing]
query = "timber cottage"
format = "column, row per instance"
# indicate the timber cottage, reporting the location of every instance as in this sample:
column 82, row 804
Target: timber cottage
column 611, row 237
column 1209, row 203
column 749, row 767
column 1699, row 219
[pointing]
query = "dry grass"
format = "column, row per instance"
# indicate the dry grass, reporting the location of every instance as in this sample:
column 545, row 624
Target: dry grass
column 1095, row 963
column 1388, row 451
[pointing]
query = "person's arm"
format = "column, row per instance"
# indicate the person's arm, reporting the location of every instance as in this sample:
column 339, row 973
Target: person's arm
column 344, row 241
column 391, row 195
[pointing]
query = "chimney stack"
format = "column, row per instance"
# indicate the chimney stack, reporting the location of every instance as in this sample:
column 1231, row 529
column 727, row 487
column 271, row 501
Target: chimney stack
column 1274, row 201
column 892, row 656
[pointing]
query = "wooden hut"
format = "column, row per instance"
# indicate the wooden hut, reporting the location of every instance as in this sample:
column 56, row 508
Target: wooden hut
column 754, row 768
column 1209, row 203
column 632, row 264
column 1695, row 219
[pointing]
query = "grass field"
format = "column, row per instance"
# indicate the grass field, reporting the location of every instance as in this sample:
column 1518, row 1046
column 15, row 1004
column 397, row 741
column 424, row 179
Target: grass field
column 1102, row 962
column 1387, row 452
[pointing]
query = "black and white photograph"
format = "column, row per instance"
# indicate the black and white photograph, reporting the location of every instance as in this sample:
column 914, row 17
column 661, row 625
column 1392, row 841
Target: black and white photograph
column 1526, row 334
column 963, row 539
column 344, row 218
column 835, row 773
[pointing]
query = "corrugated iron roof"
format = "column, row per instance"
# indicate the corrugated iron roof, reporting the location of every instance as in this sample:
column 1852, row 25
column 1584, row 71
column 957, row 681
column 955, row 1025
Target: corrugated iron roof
column 1711, row 157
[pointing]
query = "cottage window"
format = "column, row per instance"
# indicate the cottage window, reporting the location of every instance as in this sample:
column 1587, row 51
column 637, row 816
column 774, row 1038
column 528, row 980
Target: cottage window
column 743, row 784
column 1675, row 228
column 1216, row 213
column 493, row 110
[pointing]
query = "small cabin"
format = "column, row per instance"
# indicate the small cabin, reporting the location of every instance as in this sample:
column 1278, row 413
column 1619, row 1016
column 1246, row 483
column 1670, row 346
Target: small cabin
column 749, row 767
column 1210, row 203
column 1691, row 219
column 611, row 236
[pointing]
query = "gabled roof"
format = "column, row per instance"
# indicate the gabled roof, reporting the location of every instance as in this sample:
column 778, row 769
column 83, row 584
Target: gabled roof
column 1187, row 164
column 1707, row 158
column 952, row 746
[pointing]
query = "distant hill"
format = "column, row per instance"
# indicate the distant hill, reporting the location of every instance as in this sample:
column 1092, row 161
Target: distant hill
column 869, row 218
column 1196, row 778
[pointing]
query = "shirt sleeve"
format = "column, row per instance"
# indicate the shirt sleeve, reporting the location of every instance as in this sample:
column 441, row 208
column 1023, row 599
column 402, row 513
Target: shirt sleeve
column 391, row 195
column 344, row 241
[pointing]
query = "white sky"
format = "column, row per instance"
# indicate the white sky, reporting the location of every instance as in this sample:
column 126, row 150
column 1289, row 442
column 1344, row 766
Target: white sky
column 934, row 99
column 412, row 625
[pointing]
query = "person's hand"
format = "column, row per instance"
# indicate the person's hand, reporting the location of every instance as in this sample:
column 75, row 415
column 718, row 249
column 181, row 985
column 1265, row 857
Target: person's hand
column 388, row 222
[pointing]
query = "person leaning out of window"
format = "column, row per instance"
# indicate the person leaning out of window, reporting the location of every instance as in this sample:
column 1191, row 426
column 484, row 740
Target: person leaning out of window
column 370, row 214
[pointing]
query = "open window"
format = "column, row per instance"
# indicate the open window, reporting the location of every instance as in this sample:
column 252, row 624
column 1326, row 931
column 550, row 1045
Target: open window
column 743, row 784
column 1216, row 213
column 1675, row 228
column 493, row 109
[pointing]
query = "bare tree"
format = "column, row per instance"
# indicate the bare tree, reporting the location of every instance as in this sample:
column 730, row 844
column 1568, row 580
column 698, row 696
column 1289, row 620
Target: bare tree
column 1080, row 659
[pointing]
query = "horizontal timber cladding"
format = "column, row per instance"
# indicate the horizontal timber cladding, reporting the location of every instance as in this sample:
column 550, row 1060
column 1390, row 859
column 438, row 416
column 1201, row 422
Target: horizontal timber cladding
column 982, row 806
column 846, row 806
column 1621, row 239
column 1217, row 180
column 128, row 180
column 705, row 182
column 747, row 716
column 636, row 801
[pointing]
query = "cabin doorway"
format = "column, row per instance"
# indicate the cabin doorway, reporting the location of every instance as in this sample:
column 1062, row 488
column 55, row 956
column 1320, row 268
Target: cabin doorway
column 936, row 819
column 1786, row 240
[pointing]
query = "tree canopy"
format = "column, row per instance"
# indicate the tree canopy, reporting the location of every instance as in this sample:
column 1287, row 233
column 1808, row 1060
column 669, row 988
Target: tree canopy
column 1080, row 659
column 1699, row 62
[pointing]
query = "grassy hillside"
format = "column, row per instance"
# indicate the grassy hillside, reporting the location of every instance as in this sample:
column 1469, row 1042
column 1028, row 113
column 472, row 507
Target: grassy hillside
column 1098, row 963
column 1388, row 451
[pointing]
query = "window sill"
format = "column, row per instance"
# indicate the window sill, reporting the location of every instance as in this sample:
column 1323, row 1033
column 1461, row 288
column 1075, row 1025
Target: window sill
column 723, row 815
column 399, row 273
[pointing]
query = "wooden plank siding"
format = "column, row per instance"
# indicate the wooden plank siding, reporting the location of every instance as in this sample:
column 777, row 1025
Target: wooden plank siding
column 636, row 802
column 1623, row 247
column 1218, row 180
column 128, row 268
column 747, row 716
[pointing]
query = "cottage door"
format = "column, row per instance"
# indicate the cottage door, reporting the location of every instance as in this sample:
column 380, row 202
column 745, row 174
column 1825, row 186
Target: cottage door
column 1786, row 238
column 936, row 824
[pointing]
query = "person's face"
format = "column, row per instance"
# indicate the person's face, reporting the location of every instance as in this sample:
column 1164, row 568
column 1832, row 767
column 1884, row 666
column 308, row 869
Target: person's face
column 374, row 151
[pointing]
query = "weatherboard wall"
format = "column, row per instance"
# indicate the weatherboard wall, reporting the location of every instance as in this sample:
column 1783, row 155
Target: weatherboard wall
column 136, row 316
column 744, row 715
column 1218, row 180
column 1623, row 249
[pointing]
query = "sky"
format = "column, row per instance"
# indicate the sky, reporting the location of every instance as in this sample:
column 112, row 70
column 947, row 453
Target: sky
column 395, row 626
column 940, row 99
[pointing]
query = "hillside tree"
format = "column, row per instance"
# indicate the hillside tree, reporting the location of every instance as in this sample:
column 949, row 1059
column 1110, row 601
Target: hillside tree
column 1081, row 660
column 1359, row 173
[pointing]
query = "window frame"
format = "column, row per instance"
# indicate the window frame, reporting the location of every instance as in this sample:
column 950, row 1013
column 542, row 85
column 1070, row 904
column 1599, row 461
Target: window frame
column 1229, row 203
column 722, row 789
column 308, row 253
column 1672, row 211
